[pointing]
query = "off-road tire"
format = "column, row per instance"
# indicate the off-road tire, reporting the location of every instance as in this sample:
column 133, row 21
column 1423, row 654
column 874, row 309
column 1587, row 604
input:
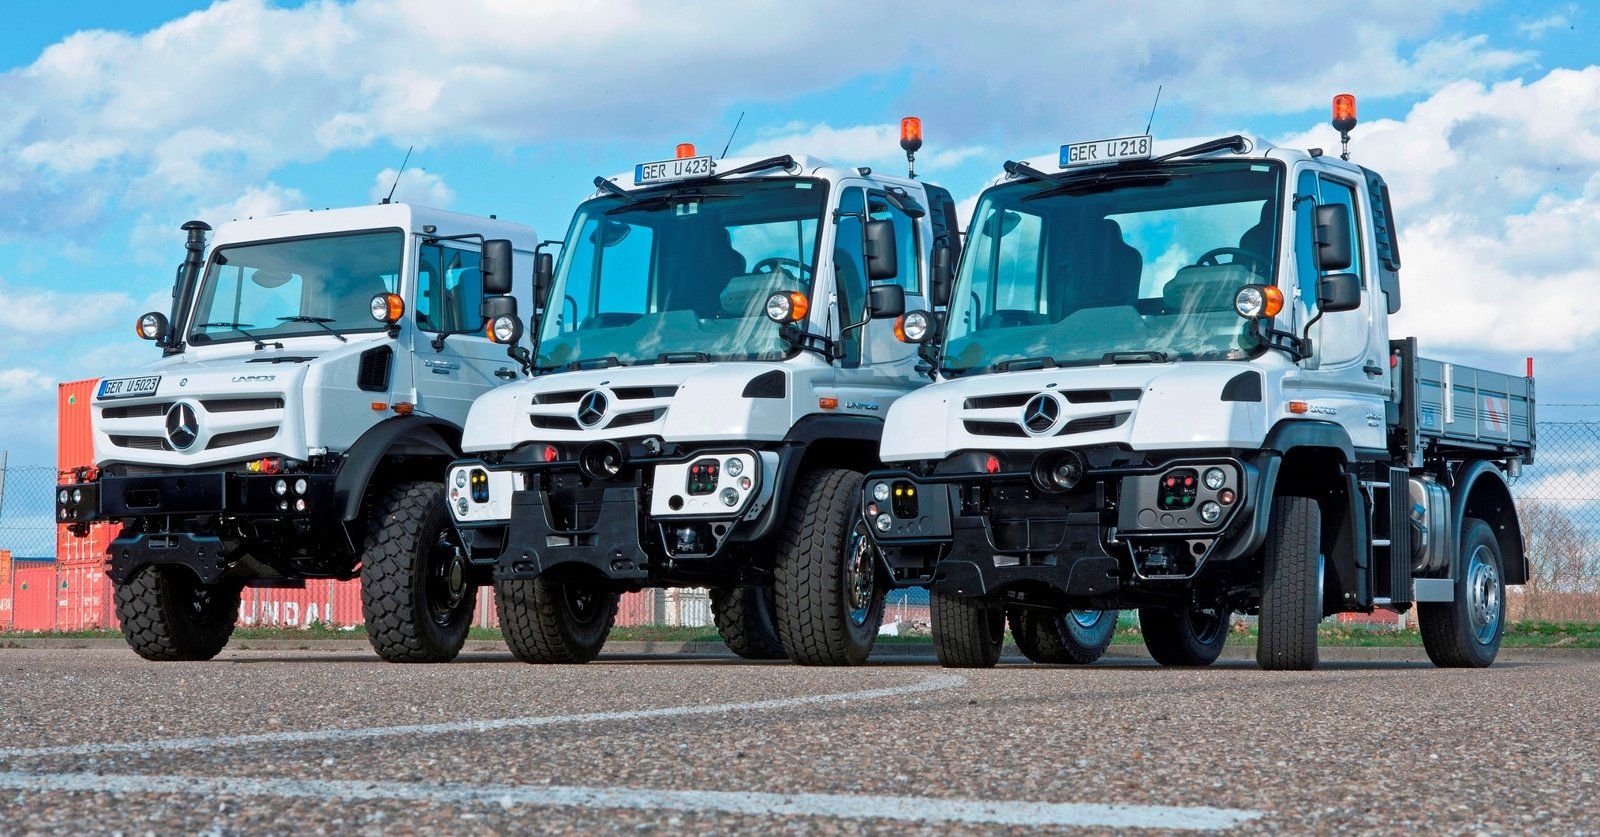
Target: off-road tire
column 1057, row 638
column 1171, row 638
column 408, row 520
column 167, row 614
column 744, row 619
column 967, row 633
column 810, row 599
column 1291, row 586
column 1448, row 632
column 543, row 624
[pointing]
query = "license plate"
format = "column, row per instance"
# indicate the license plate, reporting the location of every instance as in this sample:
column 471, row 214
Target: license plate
column 1104, row 151
column 128, row 387
column 667, row 171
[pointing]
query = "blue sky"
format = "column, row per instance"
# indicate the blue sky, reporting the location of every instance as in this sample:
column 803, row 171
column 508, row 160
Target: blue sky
column 123, row 120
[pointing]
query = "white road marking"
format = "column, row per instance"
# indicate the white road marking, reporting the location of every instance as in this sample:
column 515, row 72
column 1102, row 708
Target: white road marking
column 909, row 809
column 932, row 683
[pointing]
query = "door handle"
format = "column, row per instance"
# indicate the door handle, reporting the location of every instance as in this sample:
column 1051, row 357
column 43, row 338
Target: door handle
column 1372, row 370
column 505, row 372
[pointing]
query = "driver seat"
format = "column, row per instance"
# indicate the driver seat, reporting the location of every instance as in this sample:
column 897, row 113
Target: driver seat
column 1098, row 269
column 718, row 264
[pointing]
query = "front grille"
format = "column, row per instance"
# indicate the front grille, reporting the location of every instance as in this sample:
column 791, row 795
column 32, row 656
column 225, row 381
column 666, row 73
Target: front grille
column 554, row 422
column 373, row 376
column 241, row 405
column 570, row 396
column 632, row 393
column 997, row 402
column 140, row 442
column 241, row 437
column 1093, row 423
column 134, row 411
column 637, row 417
column 1100, row 396
column 994, row 428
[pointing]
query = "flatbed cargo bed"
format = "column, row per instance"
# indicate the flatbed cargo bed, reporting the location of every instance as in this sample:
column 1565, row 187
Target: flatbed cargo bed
column 1447, row 406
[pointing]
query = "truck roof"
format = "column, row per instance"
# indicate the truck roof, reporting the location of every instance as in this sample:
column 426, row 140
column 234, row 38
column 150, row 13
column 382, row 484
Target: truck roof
column 408, row 217
column 805, row 165
column 1259, row 149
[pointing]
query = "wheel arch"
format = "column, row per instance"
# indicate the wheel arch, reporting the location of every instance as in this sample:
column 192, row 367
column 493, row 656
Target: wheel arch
column 372, row 460
column 1481, row 491
column 818, row 441
column 1315, row 461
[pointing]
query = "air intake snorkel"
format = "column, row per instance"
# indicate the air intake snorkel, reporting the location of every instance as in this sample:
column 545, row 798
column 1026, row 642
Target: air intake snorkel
column 184, row 286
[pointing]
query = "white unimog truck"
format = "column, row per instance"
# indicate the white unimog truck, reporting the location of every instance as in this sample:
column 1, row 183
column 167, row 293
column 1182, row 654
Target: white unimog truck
column 317, row 368
column 1167, row 382
column 712, row 368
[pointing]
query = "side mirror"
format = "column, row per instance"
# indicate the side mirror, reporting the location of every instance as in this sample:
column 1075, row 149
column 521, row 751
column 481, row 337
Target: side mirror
column 887, row 300
column 1333, row 237
column 1339, row 292
column 544, row 278
column 942, row 276
column 501, row 323
column 916, row 327
column 496, row 267
column 152, row 326
column 881, row 251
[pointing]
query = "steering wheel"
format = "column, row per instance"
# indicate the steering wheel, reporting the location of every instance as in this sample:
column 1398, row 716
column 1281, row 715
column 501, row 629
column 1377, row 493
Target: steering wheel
column 772, row 263
column 1254, row 262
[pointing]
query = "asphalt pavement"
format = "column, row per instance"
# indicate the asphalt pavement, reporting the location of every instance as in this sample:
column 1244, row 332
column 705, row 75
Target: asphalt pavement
column 336, row 741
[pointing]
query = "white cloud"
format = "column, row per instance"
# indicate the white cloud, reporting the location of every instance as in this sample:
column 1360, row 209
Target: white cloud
column 877, row 145
column 28, row 314
column 1535, row 29
column 416, row 185
column 1498, row 201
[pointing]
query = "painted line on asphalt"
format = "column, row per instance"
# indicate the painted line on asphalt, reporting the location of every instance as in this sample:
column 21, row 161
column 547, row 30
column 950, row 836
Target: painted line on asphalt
column 908, row 809
column 932, row 683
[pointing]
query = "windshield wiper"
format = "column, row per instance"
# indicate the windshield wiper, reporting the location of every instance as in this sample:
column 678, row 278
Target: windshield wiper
column 676, row 189
column 593, row 363
column 683, row 357
column 1153, row 356
column 1107, row 181
column 1022, row 363
column 661, row 201
column 239, row 327
column 321, row 322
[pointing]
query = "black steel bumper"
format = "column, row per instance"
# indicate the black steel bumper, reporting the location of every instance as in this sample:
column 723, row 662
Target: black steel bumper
column 204, row 492
column 204, row 554
column 529, row 544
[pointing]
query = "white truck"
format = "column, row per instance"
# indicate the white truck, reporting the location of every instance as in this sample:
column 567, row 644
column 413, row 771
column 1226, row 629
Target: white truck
column 713, row 364
column 316, row 369
column 1166, row 381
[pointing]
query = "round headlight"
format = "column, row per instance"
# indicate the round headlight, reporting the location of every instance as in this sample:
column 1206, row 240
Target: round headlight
column 883, row 523
column 280, row 488
column 461, row 507
column 63, row 513
column 734, row 467
column 880, row 492
column 730, row 497
column 461, row 479
column 914, row 327
column 151, row 326
column 62, row 497
column 300, row 486
column 1250, row 302
column 77, row 495
column 778, row 307
column 503, row 329
column 380, row 308
column 1210, row 512
column 1213, row 478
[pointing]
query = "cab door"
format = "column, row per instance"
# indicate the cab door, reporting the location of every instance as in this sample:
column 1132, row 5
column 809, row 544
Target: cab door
column 448, row 302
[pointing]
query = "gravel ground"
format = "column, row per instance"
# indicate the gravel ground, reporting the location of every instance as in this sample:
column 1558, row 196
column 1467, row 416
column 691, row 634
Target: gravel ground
column 1354, row 746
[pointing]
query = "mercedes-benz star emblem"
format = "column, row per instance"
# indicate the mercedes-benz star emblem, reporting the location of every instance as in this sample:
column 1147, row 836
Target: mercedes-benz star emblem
column 183, row 425
column 592, row 408
column 1040, row 413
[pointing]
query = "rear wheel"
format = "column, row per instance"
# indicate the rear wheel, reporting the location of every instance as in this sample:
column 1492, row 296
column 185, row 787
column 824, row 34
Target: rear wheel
column 1466, row 633
column 1184, row 636
column 827, row 596
column 415, row 593
column 1062, row 636
column 967, row 633
column 554, row 620
column 1291, row 586
column 167, row 614
column 744, row 619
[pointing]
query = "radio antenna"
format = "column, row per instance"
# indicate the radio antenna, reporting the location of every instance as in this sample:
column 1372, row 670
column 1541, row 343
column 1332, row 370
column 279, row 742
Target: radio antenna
column 397, row 174
column 1152, row 119
column 731, row 135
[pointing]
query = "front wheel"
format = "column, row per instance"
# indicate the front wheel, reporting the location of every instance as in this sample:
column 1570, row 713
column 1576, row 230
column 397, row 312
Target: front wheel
column 167, row 614
column 967, row 633
column 1074, row 637
column 1466, row 633
column 415, row 594
column 555, row 620
column 743, row 615
column 828, row 596
column 1188, row 636
column 1291, row 586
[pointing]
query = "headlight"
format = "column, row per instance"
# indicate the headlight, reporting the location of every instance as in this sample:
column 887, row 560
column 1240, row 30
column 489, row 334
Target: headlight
column 787, row 307
column 461, row 479
column 387, row 308
column 77, row 495
column 62, row 497
column 730, row 497
column 280, row 488
column 734, row 466
column 505, row 329
column 1254, row 301
column 880, row 492
column 914, row 327
column 151, row 326
column 461, row 507
column 300, row 486
column 1214, row 478
column 884, row 522
column 1210, row 512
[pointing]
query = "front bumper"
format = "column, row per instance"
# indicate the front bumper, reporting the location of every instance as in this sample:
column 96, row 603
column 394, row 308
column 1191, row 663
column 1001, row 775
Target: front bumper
column 982, row 534
column 207, row 492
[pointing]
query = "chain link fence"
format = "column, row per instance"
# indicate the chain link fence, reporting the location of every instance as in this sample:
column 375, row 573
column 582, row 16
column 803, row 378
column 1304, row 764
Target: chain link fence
column 1558, row 497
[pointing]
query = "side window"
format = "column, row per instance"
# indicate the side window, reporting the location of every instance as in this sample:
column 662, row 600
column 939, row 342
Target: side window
column 1337, row 191
column 850, row 277
column 1305, row 247
column 449, row 289
column 905, row 237
column 1004, row 247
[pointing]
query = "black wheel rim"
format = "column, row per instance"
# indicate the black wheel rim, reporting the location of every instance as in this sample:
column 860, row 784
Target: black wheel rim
column 582, row 602
column 445, row 585
column 1207, row 624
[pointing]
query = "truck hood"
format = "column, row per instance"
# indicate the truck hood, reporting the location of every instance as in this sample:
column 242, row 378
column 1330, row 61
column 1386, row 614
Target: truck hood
column 678, row 402
column 1146, row 407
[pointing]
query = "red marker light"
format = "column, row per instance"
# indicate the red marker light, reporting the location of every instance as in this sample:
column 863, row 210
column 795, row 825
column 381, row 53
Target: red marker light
column 551, row 454
column 992, row 465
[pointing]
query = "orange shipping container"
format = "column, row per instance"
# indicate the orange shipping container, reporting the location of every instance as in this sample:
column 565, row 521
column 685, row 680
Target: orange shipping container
column 7, row 597
column 34, row 608
column 74, row 428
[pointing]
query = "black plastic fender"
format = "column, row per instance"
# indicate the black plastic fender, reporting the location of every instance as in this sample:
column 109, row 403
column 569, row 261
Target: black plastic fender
column 1481, row 484
column 1315, row 433
column 792, row 452
column 402, row 434
column 1262, row 472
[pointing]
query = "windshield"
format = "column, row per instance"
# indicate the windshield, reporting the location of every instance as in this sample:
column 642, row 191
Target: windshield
column 1139, row 268
column 296, row 288
column 681, row 275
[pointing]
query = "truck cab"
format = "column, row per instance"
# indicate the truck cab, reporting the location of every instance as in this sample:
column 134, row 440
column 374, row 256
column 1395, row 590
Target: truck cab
column 1166, row 381
column 714, row 358
column 316, row 368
